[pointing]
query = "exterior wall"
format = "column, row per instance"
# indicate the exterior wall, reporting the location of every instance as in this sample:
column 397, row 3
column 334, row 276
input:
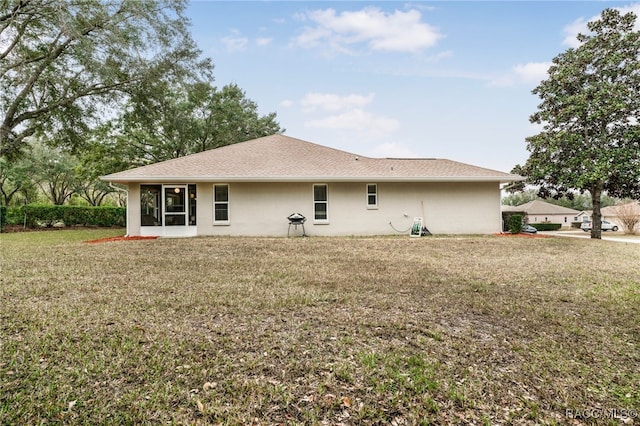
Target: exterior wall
column 583, row 217
column 133, row 209
column 261, row 209
column 564, row 219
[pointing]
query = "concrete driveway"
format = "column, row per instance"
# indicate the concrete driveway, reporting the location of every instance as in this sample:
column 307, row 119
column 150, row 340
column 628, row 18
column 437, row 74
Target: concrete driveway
column 618, row 237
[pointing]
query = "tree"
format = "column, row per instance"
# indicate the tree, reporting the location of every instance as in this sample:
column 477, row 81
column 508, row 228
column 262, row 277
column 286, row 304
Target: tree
column 54, row 172
column 98, row 159
column 16, row 178
column 520, row 197
column 169, row 121
column 628, row 215
column 590, row 114
column 66, row 65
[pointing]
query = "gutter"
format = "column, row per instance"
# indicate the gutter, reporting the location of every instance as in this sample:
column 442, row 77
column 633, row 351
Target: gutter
column 192, row 179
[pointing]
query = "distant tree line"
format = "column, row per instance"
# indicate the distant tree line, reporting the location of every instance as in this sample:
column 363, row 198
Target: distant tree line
column 575, row 201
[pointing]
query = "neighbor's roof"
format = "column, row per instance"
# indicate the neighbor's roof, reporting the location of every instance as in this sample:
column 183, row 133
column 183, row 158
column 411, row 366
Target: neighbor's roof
column 539, row 207
column 629, row 209
column 286, row 159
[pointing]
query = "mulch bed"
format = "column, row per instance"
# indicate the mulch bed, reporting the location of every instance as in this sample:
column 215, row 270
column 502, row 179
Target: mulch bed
column 507, row 234
column 120, row 238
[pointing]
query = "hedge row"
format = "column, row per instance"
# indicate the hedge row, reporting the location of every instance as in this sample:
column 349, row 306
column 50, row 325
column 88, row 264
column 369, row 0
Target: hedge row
column 546, row 226
column 48, row 215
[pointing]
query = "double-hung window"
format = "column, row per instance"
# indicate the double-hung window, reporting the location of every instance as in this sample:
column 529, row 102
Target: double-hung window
column 320, row 203
column 372, row 196
column 221, row 204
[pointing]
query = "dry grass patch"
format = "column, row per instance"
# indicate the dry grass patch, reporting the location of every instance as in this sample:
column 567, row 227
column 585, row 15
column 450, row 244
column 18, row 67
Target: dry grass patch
column 467, row 330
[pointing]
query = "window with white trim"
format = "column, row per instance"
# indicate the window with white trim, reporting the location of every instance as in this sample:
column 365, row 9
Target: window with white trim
column 220, row 204
column 372, row 196
column 321, row 202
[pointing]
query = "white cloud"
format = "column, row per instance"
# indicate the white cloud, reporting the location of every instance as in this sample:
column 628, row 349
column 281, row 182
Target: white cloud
column 529, row 73
column 235, row 43
column 287, row 103
column 356, row 119
column 333, row 112
column 532, row 72
column 580, row 25
column 439, row 56
column 572, row 30
column 397, row 32
column 333, row 102
column 263, row 41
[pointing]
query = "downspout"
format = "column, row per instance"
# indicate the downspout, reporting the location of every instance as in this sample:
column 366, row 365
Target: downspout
column 126, row 191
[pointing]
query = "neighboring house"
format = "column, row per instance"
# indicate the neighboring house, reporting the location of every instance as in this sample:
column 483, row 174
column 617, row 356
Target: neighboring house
column 251, row 188
column 584, row 216
column 539, row 211
column 623, row 215
column 611, row 213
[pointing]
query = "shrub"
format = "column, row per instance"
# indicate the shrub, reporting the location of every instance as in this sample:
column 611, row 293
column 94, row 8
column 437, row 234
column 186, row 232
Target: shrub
column 45, row 214
column 515, row 223
column 15, row 216
column 506, row 219
column 547, row 226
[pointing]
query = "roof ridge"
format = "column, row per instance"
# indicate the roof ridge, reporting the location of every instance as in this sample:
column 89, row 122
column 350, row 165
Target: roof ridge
column 282, row 157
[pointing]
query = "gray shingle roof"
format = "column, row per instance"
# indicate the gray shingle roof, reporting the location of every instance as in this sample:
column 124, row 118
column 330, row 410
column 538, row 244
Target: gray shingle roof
column 282, row 158
column 539, row 207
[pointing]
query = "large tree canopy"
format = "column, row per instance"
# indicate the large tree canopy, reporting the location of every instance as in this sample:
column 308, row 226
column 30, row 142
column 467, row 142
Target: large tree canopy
column 64, row 65
column 167, row 121
column 590, row 113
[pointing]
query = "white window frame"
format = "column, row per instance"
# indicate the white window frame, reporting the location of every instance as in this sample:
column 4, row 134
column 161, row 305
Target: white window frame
column 373, row 206
column 227, row 202
column 326, row 202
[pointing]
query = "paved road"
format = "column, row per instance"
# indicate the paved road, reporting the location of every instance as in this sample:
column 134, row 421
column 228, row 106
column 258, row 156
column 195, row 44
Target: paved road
column 607, row 236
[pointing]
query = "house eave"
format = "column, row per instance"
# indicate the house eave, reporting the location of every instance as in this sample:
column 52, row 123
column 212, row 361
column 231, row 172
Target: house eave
column 193, row 179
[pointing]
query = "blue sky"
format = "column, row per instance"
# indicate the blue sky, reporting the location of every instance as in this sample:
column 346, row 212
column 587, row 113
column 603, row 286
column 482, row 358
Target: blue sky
column 395, row 79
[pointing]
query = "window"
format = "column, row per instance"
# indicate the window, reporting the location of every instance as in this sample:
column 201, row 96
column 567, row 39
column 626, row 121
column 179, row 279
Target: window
column 150, row 202
column 372, row 196
column 320, row 202
column 175, row 206
column 220, row 204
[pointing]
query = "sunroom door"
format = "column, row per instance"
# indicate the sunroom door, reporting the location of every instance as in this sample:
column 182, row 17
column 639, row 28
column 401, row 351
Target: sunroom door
column 175, row 205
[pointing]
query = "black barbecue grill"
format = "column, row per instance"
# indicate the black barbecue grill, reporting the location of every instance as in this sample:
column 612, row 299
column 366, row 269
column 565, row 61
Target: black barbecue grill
column 296, row 219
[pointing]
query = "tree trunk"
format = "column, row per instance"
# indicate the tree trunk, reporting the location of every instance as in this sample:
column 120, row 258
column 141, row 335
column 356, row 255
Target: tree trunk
column 596, row 217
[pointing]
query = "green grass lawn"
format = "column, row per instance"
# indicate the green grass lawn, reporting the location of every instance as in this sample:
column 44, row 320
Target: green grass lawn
column 455, row 330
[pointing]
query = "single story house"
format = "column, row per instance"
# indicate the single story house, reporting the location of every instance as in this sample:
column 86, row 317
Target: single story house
column 538, row 211
column 584, row 216
column 615, row 214
column 251, row 188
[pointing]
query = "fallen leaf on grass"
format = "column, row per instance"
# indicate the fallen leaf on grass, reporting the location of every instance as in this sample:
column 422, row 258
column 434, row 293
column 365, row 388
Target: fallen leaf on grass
column 327, row 399
column 346, row 401
column 307, row 398
column 209, row 385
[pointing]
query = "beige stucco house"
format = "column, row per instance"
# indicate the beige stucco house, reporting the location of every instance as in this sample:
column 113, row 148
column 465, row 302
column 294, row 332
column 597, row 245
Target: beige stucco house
column 251, row 188
column 538, row 211
column 613, row 214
